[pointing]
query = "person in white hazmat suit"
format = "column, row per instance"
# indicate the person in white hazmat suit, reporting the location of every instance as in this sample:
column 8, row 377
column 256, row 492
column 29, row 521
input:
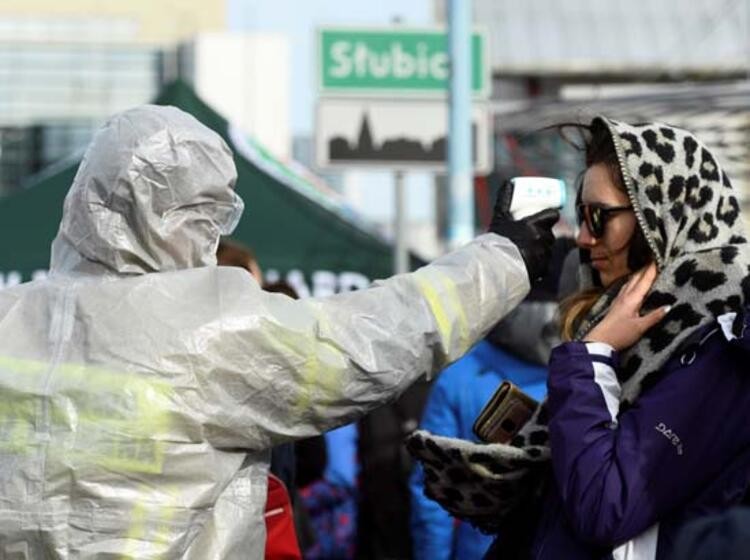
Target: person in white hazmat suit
column 142, row 386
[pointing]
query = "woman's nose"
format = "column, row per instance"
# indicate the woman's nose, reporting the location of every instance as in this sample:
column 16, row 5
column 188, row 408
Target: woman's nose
column 584, row 238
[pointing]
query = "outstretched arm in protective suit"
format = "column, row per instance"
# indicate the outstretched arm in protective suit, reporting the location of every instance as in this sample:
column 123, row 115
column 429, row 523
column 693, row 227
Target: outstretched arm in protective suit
column 332, row 360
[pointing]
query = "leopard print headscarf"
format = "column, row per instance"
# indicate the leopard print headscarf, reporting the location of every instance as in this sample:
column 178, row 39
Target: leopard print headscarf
column 687, row 210
column 690, row 217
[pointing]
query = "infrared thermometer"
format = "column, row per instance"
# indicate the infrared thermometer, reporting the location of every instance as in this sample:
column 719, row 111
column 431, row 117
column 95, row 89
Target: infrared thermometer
column 534, row 194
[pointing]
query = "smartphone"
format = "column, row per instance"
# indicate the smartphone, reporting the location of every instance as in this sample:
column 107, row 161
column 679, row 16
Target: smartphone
column 504, row 414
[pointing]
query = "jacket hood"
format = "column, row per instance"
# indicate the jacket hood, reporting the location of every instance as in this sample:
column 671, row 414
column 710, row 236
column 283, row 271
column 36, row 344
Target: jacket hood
column 688, row 213
column 154, row 192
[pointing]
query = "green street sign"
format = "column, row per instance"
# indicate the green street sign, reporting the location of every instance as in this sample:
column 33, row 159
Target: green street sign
column 393, row 61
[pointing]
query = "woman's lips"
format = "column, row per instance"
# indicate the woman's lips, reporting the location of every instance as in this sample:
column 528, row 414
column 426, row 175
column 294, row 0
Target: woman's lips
column 598, row 262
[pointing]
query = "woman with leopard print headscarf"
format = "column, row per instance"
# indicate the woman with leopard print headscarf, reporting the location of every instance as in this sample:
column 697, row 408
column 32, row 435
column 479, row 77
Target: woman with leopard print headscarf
column 646, row 424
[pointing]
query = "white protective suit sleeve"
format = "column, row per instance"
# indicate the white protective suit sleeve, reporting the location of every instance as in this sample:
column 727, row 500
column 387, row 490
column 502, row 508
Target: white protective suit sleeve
column 277, row 368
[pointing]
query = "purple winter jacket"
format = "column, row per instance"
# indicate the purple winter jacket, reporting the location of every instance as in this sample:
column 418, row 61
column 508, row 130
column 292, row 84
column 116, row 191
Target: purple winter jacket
column 625, row 481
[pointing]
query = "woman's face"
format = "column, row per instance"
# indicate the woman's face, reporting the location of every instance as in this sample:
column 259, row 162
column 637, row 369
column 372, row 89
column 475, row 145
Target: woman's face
column 609, row 253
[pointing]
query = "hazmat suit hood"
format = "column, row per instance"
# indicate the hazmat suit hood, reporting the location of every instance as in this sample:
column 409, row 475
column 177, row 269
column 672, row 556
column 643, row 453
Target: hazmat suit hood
column 154, row 193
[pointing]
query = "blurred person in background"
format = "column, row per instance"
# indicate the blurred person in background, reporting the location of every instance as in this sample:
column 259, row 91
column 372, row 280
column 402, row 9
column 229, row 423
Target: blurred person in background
column 231, row 252
column 516, row 350
column 321, row 482
column 645, row 426
column 326, row 467
column 383, row 531
column 723, row 536
column 142, row 387
column 285, row 538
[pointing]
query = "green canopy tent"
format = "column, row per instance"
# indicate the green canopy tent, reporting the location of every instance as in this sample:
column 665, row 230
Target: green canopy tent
column 297, row 230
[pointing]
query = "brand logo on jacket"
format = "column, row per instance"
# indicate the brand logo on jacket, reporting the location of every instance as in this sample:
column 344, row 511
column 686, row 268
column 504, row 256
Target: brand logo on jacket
column 670, row 435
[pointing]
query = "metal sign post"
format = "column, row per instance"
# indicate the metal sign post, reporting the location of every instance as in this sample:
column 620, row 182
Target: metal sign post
column 400, row 255
column 460, row 173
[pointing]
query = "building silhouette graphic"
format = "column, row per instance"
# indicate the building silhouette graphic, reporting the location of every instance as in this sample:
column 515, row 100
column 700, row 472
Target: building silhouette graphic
column 400, row 148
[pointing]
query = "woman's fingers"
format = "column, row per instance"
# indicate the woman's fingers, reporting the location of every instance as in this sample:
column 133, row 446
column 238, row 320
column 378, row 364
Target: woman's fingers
column 635, row 290
column 653, row 317
column 622, row 326
column 645, row 280
column 639, row 284
column 633, row 284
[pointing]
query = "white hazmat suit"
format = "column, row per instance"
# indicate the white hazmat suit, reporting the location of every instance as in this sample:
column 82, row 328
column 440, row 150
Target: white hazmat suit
column 142, row 386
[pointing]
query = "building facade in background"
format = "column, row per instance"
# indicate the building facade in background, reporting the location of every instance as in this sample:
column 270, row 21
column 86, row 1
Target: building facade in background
column 67, row 66
column 637, row 60
column 141, row 22
column 247, row 78
column 615, row 41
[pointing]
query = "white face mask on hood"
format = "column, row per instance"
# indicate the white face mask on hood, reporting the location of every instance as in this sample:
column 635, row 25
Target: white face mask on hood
column 154, row 193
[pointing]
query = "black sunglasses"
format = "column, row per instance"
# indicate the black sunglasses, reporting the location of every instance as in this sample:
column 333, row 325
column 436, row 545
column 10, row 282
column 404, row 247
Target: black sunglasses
column 596, row 216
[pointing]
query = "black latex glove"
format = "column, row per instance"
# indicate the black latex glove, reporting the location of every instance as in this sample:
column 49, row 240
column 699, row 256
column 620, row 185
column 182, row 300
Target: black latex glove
column 532, row 235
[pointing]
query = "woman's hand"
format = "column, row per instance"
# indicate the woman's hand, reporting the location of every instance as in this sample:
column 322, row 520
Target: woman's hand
column 623, row 325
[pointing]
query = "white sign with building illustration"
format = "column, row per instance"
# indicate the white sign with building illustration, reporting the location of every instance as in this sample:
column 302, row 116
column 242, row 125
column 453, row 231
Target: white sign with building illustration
column 407, row 134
